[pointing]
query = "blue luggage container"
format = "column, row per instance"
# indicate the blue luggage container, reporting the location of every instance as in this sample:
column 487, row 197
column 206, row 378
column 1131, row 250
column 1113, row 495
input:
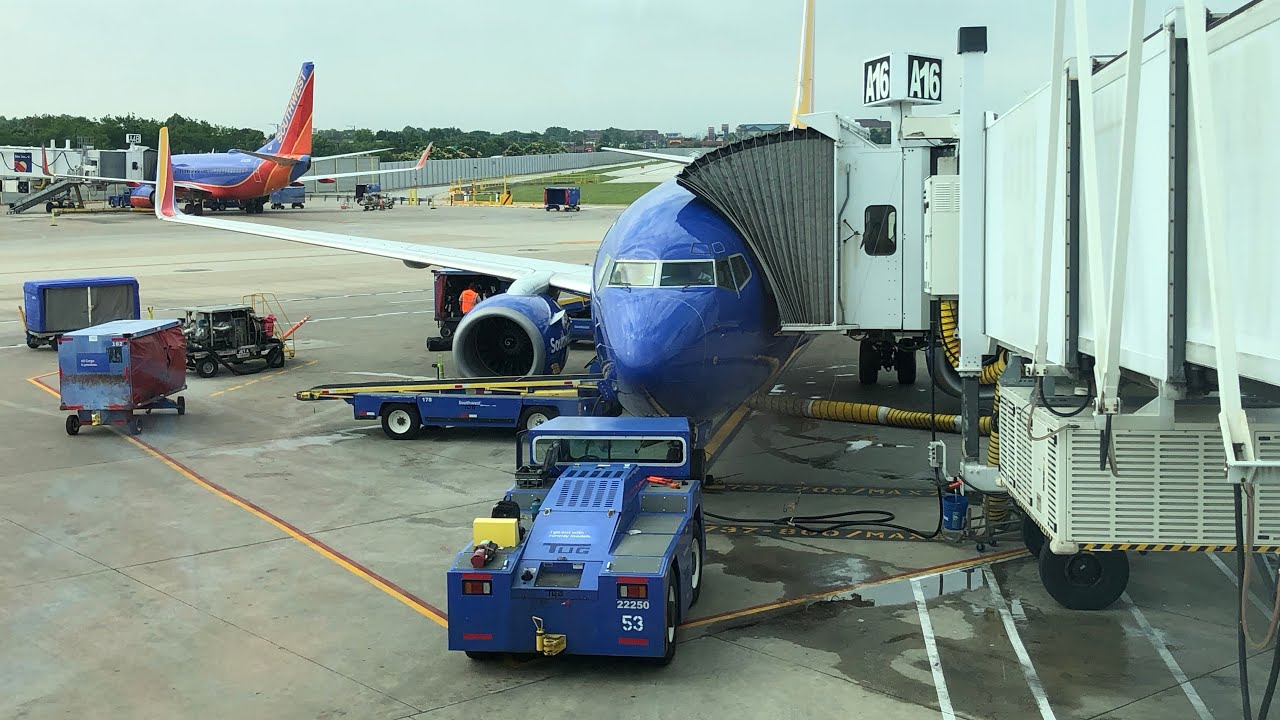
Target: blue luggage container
column 54, row 307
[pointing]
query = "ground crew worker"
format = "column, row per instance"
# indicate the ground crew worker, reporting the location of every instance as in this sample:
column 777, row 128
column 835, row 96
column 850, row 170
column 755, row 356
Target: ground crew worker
column 469, row 298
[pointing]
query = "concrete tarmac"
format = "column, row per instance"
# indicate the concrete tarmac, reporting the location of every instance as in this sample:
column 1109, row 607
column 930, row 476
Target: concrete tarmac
column 266, row 557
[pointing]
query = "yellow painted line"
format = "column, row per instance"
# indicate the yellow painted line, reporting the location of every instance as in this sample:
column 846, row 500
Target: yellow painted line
column 264, row 377
column 818, row 596
column 35, row 380
column 412, row 601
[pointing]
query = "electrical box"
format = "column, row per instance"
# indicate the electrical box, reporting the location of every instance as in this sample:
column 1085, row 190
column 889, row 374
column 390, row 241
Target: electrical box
column 942, row 235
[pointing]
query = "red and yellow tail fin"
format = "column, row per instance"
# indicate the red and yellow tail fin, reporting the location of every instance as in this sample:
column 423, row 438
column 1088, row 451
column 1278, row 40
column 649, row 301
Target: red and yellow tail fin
column 166, row 198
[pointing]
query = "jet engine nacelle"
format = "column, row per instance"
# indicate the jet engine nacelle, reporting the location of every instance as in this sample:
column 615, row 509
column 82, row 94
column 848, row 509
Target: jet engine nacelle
column 512, row 336
column 143, row 196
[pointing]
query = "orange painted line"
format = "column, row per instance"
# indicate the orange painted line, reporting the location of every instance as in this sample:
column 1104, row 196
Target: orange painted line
column 823, row 595
column 413, row 601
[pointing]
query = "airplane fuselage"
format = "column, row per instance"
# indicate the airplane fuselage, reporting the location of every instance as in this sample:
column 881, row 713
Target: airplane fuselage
column 227, row 176
column 674, row 339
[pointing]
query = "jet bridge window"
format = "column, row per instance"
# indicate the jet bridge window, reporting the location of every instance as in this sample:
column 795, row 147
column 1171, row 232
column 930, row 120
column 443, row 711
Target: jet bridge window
column 684, row 273
column 637, row 274
column 880, row 230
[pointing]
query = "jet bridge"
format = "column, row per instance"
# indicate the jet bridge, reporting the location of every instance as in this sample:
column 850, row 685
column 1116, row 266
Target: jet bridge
column 1124, row 226
column 836, row 221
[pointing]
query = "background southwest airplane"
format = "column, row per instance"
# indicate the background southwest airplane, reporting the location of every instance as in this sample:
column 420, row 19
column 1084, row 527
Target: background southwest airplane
column 248, row 176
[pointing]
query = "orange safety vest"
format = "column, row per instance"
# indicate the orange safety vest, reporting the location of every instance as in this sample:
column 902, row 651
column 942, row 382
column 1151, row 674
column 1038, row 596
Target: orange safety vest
column 469, row 299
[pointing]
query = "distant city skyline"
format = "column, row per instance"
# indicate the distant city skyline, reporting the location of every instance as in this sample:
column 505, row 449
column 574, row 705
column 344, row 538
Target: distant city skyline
column 507, row 65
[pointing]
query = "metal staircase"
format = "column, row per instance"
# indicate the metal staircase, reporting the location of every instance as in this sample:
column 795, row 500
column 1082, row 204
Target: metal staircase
column 52, row 193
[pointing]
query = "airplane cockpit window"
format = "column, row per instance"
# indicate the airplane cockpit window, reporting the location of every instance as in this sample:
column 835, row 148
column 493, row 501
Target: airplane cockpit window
column 684, row 273
column 741, row 271
column 724, row 275
column 627, row 273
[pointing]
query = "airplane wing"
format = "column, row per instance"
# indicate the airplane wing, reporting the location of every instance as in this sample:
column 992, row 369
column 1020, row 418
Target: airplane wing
column 350, row 154
column 564, row 276
column 422, row 162
column 682, row 159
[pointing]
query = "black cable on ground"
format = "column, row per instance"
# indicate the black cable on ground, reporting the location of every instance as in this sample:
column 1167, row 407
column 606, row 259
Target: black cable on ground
column 837, row 521
column 1241, row 656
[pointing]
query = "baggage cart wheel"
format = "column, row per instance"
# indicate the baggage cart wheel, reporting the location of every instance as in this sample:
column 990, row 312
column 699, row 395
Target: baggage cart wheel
column 401, row 421
column 868, row 362
column 33, row 342
column 73, row 424
column 905, row 363
column 207, row 367
column 1031, row 536
column 182, row 406
column 695, row 577
column 1084, row 581
column 535, row 416
column 135, row 426
column 671, row 618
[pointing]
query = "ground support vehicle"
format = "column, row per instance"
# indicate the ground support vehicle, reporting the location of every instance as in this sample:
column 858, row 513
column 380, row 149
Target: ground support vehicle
column 525, row 403
column 294, row 197
column 230, row 335
column 54, row 307
column 561, row 198
column 108, row 372
column 596, row 550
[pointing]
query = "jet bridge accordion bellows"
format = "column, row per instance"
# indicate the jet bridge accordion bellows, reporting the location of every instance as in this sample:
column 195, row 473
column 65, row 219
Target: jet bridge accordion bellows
column 778, row 191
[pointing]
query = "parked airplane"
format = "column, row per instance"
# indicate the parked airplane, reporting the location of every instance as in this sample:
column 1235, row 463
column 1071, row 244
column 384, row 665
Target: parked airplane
column 685, row 325
column 249, row 176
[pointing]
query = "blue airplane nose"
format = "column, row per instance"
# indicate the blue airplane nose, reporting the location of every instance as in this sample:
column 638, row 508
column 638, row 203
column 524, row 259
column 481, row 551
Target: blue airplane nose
column 657, row 351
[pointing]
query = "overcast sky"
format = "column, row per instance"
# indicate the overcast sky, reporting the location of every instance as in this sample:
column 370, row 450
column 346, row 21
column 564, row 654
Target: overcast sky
column 512, row 64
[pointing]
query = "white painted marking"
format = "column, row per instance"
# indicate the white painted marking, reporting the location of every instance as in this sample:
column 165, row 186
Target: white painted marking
column 1024, row 659
column 931, row 646
column 856, row 445
column 10, row 347
column 403, row 302
column 1169, row 662
column 316, row 320
column 9, row 322
column 1231, row 575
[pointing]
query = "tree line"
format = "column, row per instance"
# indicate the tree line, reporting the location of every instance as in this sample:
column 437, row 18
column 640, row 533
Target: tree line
column 187, row 135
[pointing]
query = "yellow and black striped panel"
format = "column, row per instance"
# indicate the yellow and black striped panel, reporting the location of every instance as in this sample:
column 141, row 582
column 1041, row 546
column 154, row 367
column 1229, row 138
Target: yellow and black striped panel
column 1156, row 547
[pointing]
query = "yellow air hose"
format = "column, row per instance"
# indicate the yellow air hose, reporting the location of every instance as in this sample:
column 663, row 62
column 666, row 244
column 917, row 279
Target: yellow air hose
column 859, row 413
column 951, row 345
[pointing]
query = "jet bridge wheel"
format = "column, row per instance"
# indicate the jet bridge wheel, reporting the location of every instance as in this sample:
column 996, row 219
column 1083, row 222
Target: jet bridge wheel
column 904, row 362
column 1032, row 537
column 1085, row 581
column 868, row 361
column 401, row 421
